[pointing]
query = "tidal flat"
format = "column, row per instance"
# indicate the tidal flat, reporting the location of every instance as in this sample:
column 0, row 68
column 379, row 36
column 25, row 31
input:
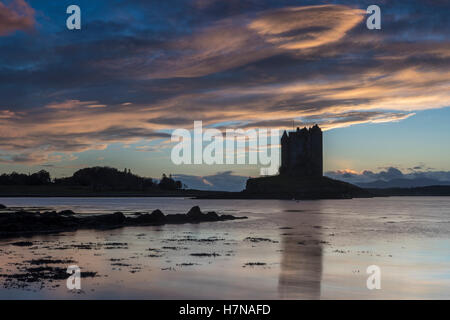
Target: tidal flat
column 284, row 250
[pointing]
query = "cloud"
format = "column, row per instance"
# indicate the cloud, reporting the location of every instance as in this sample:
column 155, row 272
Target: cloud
column 18, row 15
column 241, row 40
column 30, row 158
column 68, row 127
column 419, row 175
column 329, row 120
column 297, row 28
column 253, row 65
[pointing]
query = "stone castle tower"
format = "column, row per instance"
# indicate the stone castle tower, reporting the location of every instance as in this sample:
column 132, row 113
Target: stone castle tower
column 302, row 153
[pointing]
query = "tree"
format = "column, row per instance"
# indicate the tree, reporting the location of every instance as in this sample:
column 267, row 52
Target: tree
column 168, row 183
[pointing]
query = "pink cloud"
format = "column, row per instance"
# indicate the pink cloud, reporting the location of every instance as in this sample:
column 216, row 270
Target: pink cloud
column 17, row 15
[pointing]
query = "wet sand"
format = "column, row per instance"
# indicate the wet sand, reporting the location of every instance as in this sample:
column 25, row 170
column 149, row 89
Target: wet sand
column 285, row 250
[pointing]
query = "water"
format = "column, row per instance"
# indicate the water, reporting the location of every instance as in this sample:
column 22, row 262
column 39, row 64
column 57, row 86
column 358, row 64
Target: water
column 299, row 250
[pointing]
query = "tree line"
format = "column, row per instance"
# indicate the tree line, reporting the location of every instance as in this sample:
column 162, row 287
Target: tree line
column 97, row 178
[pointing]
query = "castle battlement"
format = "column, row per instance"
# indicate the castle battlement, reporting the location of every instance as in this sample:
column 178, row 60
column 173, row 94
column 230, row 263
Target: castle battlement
column 302, row 152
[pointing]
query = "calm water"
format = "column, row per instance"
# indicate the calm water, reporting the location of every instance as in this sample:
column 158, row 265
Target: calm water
column 308, row 250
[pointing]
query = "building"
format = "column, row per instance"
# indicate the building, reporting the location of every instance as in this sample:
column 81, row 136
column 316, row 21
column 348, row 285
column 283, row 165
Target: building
column 302, row 152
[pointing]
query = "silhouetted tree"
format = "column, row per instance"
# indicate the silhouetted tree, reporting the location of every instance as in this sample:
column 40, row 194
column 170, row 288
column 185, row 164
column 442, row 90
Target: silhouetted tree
column 106, row 178
column 168, row 183
column 39, row 178
column 97, row 178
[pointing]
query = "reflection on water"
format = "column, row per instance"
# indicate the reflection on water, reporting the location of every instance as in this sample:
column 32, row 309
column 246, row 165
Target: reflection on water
column 301, row 261
column 285, row 250
column 300, row 269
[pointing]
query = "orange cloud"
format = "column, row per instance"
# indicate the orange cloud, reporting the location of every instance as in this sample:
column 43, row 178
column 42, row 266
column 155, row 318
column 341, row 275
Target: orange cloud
column 306, row 27
column 235, row 42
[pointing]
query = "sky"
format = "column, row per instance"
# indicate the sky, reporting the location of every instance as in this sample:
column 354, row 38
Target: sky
column 111, row 93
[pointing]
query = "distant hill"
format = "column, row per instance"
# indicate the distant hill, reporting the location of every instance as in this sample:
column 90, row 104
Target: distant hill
column 106, row 178
column 443, row 191
column 403, row 183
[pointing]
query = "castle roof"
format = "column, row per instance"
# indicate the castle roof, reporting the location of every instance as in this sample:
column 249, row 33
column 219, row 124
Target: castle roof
column 299, row 131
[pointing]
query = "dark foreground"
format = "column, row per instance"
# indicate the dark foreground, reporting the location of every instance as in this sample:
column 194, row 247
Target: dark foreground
column 19, row 223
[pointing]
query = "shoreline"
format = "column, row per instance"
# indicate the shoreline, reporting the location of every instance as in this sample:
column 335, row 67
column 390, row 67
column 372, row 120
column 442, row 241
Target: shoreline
column 36, row 192
column 228, row 196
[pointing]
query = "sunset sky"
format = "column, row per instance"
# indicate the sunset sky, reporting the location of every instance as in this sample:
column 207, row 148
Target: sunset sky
column 111, row 93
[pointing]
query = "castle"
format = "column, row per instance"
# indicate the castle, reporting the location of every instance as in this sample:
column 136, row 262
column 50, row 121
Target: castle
column 301, row 172
column 302, row 153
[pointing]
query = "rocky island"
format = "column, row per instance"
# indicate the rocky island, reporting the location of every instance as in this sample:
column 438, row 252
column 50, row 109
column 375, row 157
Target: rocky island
column 300, row 175
column 25, row 223
column 288, row 187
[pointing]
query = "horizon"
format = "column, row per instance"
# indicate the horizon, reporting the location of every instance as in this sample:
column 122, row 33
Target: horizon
column 226, row 181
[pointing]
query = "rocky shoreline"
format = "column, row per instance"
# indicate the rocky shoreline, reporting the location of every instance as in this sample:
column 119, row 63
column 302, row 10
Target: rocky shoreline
column 26, row 223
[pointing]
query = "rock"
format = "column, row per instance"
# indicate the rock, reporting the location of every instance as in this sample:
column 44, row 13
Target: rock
column 212, row 216
column 230, row 217
column 158, row 215
column 66, row 213
column 13, row 224
column 2, row 206
column 105, row 220
column 118, row 217
column 49, row 215
column 22, row 244
column 195, row 212
column 154, row 218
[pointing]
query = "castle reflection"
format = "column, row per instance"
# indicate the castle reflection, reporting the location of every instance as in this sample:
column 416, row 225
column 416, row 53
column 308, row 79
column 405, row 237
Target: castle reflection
column 301, row 261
